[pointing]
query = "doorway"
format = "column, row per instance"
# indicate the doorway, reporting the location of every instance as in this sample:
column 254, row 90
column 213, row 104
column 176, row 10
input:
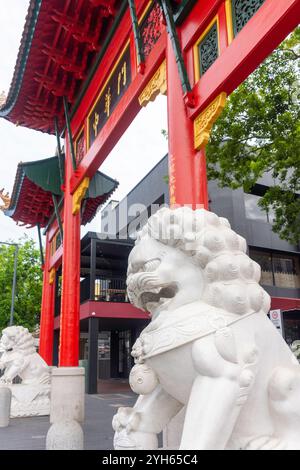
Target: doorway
column 124, row 350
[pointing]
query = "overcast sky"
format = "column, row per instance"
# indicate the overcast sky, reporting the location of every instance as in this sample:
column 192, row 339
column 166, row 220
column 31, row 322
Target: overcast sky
column 140, row 148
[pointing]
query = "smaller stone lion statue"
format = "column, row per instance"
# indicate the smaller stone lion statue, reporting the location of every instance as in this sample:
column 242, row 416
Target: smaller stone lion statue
column 295, row 348
column 210, row 354
column 19, row 359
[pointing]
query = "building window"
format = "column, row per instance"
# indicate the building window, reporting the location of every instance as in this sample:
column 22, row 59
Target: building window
column 265, row 262
column 291, row 322
column 277, row 269
column 111, row 290
column 242, row 12
column 255, row 212
column 286, row 271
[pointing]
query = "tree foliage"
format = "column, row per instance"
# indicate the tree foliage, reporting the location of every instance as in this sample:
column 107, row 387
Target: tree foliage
column 29, row 284
column 259, row 132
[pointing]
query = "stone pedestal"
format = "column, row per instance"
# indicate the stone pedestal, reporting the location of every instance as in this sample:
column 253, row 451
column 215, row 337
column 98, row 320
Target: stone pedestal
column 67, row 409
column 67, row 394
column 5, row 404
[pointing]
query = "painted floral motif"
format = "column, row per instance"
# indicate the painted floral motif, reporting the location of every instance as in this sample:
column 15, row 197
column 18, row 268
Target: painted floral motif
column 151, row 29
column 80, row 148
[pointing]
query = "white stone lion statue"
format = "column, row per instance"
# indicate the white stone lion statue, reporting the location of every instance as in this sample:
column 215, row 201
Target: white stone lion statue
column 19, row 359
column 210, row 353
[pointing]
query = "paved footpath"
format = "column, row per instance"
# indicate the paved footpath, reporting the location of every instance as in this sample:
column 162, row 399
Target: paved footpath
column 30, row 433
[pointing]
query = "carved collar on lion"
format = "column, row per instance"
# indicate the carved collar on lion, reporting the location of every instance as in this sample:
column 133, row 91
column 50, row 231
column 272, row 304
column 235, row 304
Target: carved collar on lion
column 188, row 323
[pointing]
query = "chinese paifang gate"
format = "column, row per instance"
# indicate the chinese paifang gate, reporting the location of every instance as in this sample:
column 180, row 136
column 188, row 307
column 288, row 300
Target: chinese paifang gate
column 84, row 70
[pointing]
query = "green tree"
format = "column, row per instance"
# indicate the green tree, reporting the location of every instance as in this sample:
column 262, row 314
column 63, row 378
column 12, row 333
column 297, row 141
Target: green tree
column 29, row 284
column 259, row 132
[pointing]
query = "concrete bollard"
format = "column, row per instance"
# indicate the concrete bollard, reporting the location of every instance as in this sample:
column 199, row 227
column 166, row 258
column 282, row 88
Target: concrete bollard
column 65, row 435
column 5, row 403
column 67, row 409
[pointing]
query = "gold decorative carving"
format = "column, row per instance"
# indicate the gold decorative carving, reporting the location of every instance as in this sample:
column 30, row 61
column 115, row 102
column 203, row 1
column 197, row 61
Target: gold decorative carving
column 204, row 122
column 52, row 276
column 5, row 199
column 172, row 180
column 79, row 195
column 157, row 85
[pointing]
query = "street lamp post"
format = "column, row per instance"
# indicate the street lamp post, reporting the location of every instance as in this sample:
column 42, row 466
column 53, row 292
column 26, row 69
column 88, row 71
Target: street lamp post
column 13, row 294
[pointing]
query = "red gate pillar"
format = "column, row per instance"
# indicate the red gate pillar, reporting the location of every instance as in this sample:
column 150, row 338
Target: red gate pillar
column 67, row 382
column 187, row 167
column 200, row 178
column 70, row 302
column 47, row 310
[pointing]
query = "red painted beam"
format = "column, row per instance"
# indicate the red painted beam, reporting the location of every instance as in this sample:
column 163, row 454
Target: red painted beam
column 120, row 119
column 261, row 35
column 56, row 259
column 199, row 18
column 113, row 51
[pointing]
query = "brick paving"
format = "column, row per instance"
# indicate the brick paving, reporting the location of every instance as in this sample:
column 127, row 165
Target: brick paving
column 30, row 433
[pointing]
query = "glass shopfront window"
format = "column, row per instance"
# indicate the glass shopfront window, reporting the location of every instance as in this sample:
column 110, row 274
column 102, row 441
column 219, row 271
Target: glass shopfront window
column 286, row 271
column 265, row 262
column 104, row 355
column 277, row 269
column 255, row 212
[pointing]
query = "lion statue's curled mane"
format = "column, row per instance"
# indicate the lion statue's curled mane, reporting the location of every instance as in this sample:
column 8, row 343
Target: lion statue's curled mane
column 231, row 277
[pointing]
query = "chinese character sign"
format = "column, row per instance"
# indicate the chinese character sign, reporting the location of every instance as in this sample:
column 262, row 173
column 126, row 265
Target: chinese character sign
column 110, row 96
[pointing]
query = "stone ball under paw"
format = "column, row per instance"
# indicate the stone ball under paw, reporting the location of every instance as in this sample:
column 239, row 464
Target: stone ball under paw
column 142, row 379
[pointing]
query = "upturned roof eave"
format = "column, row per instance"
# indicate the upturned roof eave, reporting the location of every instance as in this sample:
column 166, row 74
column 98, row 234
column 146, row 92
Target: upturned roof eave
column 101, row 186
column 23, row 54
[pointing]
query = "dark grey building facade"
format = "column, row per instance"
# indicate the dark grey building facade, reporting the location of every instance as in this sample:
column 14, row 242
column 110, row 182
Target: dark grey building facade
column 278, row 259
column 109, row 324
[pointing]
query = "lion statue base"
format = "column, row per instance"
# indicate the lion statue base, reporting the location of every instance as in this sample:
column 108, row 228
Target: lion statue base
column 211, row 370
column 20, row 360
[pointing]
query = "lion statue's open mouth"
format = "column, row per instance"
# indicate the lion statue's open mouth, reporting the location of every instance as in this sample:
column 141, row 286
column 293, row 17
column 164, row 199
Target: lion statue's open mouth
column 157, row 297
column 146, row 290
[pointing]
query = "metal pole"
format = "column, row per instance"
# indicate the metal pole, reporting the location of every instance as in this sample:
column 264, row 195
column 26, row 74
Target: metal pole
column 41, row 245
column 11, row 320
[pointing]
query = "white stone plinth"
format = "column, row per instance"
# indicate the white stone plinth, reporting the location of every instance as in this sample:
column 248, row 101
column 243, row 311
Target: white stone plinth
column 67, row 394
column 5, row 404
column 65, row 435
